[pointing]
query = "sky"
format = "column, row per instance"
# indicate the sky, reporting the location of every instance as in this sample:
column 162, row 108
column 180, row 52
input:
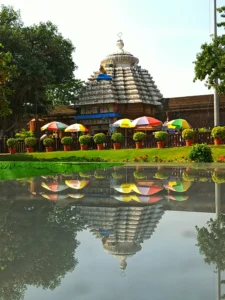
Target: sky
column 165, row 35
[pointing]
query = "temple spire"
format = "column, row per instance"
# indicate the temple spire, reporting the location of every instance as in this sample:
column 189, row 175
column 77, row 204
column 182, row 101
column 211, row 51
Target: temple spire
column 120, row 43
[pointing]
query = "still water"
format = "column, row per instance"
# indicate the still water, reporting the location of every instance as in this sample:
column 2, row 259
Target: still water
column 120, row 233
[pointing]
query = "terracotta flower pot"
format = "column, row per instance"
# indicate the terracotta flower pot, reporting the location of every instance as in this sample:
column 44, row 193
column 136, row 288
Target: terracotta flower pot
column 83, row 146
column 29, row 150
column 116, row 146
column 217, row 141
column 100, row 146
column 189, row 142
column 161, row 144
column 67, row 147
column 12, row 150
column 138, row 145
column 48, row 149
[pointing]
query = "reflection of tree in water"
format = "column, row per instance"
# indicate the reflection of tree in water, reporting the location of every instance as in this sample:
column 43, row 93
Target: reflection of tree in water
column 37, row 246
column 211, row 243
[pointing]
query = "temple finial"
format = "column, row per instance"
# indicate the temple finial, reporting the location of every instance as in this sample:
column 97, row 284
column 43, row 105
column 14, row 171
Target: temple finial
column 120, row 43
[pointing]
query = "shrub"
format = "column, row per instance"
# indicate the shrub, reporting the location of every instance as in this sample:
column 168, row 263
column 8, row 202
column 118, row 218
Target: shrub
column 161, row 135
column 188, row 134
column 161, row 175
column 117, row 175
column 218, row 132
column 67, row 140
column 204, row 129
column 218, row 177
column 84, row 139
column 48, row 142
column 188, row 177
column 99, row 138
column 99, row 174
column 30, row 141
column 139, row 175
column 117, row 137
column 200, row 153
column 139, row 136
column 23, row 134
column 84, row 174
column 12, row 143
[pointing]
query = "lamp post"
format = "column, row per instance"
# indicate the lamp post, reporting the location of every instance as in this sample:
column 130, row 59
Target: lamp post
column 216, row 96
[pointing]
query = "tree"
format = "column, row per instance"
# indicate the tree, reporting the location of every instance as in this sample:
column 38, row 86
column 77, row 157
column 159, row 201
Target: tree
column 7, row 71
column 43, row 58
column 210, row 62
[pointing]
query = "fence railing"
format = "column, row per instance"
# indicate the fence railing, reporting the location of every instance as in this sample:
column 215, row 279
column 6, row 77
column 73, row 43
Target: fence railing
column 174, row 140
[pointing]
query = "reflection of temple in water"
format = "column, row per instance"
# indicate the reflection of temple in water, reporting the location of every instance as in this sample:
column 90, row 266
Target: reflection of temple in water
column 122, row 229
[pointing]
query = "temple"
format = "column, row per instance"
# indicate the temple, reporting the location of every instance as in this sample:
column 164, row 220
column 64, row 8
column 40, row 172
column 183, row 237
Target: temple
column 130, row 94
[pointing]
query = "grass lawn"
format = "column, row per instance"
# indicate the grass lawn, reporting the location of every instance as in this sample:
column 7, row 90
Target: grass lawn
column 177, row 154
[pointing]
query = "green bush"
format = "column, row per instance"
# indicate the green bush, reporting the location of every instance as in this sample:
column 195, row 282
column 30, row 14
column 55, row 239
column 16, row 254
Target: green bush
column 200, row 153
column 84, row 139
column 188, row 177
column 218, row 177
column 30, row 142
column 48, row 142
column 218, row 132
column 12, row 143
column 139, row 136
column 188, row 134
column 161, row 135
column 99, row 138
column 23, row 134
column 117, row 175
column 99, row 174
column 139, row 175
column 67, row 140
column 117, row 137
column 204, row 129
column 162, row 175
column 85, row 174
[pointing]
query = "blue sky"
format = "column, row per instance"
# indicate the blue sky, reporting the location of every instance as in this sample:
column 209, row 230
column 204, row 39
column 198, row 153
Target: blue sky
column 165, row 35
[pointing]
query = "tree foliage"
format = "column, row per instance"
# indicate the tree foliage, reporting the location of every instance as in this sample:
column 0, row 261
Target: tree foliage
column 43, row 58
column 210, row 62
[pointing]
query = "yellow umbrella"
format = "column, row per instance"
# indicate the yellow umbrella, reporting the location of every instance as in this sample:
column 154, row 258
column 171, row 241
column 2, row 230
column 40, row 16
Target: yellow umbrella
column 76, row 196
column 178, row 124
column 178, row 186
column 123, row 123
column 54, row 186
column 76, row 128
column 76, row 184
column 125, row 188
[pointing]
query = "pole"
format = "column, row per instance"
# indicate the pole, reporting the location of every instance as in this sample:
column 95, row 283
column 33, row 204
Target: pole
column 216, row 97
column 217, row 206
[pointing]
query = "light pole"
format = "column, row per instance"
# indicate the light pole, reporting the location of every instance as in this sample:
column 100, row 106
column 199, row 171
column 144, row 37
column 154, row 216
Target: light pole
column 216, row 96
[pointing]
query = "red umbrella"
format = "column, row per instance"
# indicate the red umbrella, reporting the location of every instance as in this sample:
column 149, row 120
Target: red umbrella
column 147, row 190
column 54, row 186
column 146, row 121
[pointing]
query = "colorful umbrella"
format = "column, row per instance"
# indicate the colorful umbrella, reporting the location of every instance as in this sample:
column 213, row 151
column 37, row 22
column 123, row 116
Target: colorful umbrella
column 124, row 188
column 77, row 184
column 76, row 196
column 54, row 126
column 177, row 197
column 178, row 186
column 146, row 121
column 178, row 124
column 54, row 186
column 76, row 128
column 127, row 188
column 123, row 123
column 54, row 197
column 137, row 198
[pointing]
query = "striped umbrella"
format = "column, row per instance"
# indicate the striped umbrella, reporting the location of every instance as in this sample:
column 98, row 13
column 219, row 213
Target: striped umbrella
column 54, row 126
column 123, row 123
column 137, row 198
column 54, row 186
column 178, row 186
column 146, row 121
column 178, row 124
column 76, row 196
column 76, row 128
column 54, row 197
column 177, row 197
column 77, row 184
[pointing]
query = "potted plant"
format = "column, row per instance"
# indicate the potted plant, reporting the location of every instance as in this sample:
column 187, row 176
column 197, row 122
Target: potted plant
column 162, row 175
column 218, row 177
column 48, row 142
column 30, row 142
column 99, row 139
column 188, row 135
column 67, row 141
column 117, row 138
column 139, row 175
column 99, row 174
column 84, row 140
column 12, row 143
column 139, row 137
column 218, row 133
column 161, row 136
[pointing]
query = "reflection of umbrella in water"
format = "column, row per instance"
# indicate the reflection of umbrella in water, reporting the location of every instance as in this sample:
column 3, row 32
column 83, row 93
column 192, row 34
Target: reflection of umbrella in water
column 77, row 184
column 76, row 196
column 177, row 197
column 54, row 186
column 137, row 198
column 178, row 186
column 54, row 126
column 54, row 197
column 132, row 187
column 124, row 188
